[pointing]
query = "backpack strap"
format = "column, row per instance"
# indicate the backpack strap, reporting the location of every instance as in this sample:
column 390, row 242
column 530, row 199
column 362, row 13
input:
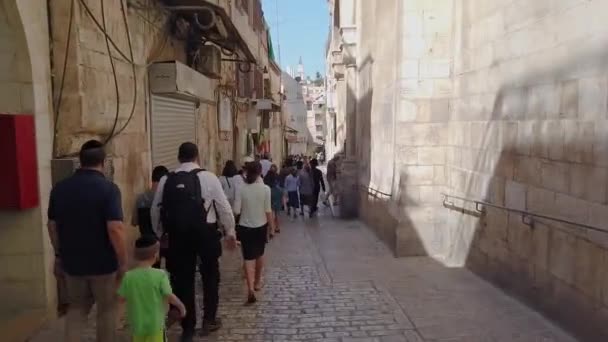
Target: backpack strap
column 206, row 211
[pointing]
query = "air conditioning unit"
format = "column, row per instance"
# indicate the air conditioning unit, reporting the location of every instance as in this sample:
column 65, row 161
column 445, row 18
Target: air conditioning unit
column 211, row 61
column 175, row 79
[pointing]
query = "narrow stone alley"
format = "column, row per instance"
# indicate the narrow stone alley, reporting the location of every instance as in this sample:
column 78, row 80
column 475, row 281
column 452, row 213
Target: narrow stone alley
column 332, row 280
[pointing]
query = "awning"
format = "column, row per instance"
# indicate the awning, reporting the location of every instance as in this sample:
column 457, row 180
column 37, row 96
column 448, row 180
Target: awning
column 266, row 104
column 290, row 129
column 223, row 34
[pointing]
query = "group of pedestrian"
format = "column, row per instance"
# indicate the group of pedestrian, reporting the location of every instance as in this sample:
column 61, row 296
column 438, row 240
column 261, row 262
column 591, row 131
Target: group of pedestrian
column 182, row 218
column 303, row 184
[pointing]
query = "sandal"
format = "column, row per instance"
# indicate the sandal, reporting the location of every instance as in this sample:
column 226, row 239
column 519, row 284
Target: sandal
column 251, row 299
column 258, row 287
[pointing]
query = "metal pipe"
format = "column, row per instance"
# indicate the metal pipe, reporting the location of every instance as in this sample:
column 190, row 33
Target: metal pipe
column 524, row 213
column 375, row 191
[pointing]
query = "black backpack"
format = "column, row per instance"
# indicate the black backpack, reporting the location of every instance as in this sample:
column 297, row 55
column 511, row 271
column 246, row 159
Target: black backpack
column 183, row 210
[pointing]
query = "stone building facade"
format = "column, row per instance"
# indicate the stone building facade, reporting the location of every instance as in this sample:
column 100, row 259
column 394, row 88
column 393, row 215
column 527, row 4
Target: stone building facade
column 73, row 104
column 501, row 102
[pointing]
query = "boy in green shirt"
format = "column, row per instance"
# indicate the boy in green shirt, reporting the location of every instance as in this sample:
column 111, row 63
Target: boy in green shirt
column 148, row 292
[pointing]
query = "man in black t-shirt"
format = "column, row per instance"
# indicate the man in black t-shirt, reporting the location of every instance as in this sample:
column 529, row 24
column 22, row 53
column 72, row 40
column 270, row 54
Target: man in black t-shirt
column 86, row 230
column 318, row 184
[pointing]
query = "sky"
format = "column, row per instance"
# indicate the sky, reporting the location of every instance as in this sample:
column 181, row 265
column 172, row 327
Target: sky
column 303, row 27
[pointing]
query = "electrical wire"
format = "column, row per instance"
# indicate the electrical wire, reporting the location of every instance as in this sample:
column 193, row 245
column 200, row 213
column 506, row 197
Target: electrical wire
column 100, row 27
column 116, row 89
column 62, row 83
column 126, row 22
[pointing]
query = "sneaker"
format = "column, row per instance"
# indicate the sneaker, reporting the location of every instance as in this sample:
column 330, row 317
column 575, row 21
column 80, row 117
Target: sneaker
column 172, row 317
column 211, row 326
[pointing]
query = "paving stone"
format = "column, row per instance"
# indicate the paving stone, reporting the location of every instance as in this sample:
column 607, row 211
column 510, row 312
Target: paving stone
column 334, row 281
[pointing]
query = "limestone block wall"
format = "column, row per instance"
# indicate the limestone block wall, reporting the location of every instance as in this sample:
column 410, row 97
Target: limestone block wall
column 528, row 127
column 501, row 101
column 408, row 77
column 88, row 104
column 26, row 284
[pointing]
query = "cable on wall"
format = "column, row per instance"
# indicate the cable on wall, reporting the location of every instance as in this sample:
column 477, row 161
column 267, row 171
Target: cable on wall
column 116, row 89
column 126, row 22
column 100, row 27
column 62, row 83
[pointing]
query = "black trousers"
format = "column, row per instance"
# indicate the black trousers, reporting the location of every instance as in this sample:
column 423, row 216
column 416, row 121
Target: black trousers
column 314, row 200
column 183, row 256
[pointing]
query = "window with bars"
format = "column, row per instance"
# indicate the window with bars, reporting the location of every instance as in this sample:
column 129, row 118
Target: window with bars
column 258, row 83
column 243, row 82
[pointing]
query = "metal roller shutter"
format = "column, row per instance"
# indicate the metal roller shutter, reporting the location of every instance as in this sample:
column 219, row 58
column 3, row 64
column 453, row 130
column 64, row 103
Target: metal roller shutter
column 173, row 123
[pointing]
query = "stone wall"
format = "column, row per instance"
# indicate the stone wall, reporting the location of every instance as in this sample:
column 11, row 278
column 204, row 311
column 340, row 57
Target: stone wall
column 405, row 83
column 528, row 127
column 501, row 101
column 88, row 104
column 89, row 100
column 26, row 283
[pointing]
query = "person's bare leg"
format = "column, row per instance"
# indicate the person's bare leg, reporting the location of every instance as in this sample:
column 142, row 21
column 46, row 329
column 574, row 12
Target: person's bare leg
column 277, row 229
column 250, row 279
column 259, row 270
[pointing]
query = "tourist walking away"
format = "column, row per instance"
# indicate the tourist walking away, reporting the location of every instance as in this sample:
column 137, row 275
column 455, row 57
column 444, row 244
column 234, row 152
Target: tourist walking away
column 332, row 178
column 147, row 292
column 141, row 214
column 266, row 164
column 254, row 211
column 318, row 185
column 306, row 189
column 85, row 224
column 285, row 171
column 229, row 180
column 189, row 202
column 276, row 197
column 292, row 184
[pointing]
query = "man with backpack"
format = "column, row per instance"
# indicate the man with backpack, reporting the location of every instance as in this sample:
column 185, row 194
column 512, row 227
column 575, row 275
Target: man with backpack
column 189, row 202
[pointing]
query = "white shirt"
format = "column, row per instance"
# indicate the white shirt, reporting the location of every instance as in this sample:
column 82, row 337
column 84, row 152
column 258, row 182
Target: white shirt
column 266, row 164
column 211, row 191
column 253, row 203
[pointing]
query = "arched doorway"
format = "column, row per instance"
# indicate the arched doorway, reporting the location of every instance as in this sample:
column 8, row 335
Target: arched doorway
column 27, row 288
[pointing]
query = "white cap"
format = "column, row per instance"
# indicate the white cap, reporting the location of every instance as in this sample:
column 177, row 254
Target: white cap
column 247, row 159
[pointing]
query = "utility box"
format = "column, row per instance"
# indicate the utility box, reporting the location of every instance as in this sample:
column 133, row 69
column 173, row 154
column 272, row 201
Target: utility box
column 19, row 171
column 175, row 79
column 64, row 167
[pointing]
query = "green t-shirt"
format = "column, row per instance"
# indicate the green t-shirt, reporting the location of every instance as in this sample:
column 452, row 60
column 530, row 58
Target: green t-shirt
column 145, row 290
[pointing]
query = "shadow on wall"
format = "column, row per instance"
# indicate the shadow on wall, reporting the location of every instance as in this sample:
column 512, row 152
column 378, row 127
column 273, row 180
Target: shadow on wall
column 380, row 209
column 545, row 165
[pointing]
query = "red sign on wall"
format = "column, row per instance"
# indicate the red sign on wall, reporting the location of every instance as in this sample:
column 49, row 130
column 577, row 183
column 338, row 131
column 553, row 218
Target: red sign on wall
column 19, row 175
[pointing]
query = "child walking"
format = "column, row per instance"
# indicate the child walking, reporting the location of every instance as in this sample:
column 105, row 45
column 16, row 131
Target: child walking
column 148, row 292
column 292, row 183
column 276, row 197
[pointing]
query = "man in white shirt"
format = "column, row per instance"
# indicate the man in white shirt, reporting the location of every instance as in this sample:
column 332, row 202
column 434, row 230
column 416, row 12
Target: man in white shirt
column 184, row 249
column 266, row 164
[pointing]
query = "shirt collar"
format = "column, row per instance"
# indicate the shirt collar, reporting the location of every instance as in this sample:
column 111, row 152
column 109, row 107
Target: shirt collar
column 187, row 167
column 93, row 172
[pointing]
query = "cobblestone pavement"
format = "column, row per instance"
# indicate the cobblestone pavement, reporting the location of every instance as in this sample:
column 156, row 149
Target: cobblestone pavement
column 334, row 281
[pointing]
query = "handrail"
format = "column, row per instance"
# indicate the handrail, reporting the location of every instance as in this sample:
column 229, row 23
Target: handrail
column 525, row 214
column 375, row 191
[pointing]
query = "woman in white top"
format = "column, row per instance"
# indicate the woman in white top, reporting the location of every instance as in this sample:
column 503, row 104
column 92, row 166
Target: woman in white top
column 229, row 181
column 253, row 207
